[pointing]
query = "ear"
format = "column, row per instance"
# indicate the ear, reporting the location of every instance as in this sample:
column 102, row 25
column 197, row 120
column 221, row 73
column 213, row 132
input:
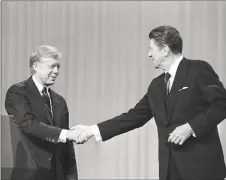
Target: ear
column 165, row 50
column 35, row 66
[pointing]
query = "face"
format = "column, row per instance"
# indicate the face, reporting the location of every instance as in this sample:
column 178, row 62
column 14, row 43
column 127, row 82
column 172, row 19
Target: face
column 47, row 70
column 156, row 54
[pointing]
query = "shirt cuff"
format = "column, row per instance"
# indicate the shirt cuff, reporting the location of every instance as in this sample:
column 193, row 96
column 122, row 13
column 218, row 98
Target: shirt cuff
column 96, row 132
column 63, row 136
column 193, row 134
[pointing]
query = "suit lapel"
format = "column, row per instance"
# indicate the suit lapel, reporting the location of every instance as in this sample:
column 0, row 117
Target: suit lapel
column 37, row 103
column 158, row 96
column 55, row 107
column 178, row 82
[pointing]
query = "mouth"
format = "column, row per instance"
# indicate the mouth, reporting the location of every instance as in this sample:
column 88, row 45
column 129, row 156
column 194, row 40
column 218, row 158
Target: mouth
column 53, row 77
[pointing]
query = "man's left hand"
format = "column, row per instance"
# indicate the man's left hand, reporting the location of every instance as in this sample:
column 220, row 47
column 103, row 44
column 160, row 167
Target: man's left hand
column 180, row 134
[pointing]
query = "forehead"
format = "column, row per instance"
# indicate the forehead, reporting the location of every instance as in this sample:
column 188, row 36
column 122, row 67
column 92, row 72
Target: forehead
column 49, row 60
column 153, row 43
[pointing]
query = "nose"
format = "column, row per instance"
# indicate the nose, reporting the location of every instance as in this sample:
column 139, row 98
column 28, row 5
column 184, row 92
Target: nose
column 149, row 54
column 56, row 70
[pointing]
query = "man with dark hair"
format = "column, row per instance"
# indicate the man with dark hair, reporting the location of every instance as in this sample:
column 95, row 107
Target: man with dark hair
column 187, row 101
column 42, row 116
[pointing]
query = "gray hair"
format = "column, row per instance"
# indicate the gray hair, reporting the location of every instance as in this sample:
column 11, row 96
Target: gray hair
column 43, row 51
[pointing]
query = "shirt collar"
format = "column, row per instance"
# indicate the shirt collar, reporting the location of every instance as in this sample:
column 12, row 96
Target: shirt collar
column 39, row 85
column 174, row 66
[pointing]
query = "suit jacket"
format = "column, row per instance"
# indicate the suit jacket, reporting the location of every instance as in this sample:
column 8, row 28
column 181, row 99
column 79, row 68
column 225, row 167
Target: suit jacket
column 197, row 97
column 41, row 132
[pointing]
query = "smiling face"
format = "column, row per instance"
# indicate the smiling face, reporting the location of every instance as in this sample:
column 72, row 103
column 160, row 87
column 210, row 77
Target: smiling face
column 47, row 70
column 157, row 54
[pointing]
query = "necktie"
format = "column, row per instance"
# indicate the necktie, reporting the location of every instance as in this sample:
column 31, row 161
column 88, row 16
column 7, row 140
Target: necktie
column 46, row 98
column 167, row 83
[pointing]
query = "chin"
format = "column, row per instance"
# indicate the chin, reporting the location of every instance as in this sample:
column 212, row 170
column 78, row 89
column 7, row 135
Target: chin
column 49, row 83
column 156, row 66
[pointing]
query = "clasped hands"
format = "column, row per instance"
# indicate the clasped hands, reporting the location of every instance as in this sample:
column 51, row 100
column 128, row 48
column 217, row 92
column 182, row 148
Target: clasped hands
column 79, row 134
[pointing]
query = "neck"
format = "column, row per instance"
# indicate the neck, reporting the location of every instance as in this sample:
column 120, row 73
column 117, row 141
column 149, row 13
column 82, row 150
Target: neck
column 38, row 80
column 170, row 60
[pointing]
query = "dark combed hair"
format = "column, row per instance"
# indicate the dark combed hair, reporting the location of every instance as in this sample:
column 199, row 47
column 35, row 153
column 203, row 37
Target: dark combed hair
column 167, row 35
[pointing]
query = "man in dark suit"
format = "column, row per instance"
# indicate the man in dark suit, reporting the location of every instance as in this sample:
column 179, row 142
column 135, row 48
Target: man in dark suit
column 42, row 116
column 187, row 101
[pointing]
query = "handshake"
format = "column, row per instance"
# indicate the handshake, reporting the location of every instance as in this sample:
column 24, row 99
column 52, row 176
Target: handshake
column 79, row 134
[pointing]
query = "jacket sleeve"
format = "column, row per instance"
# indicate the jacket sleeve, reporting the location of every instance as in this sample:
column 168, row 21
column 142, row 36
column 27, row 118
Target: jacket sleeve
column 213, row 95
column 17, row 104
column 134, row 118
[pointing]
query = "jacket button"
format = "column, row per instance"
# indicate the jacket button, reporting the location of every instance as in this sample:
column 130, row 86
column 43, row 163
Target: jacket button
column 49, row 158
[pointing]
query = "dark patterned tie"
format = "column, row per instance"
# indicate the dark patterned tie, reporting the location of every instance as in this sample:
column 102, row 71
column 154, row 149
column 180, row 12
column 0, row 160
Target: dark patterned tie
column 46, row 98
column 167, row 90
column 167, row 83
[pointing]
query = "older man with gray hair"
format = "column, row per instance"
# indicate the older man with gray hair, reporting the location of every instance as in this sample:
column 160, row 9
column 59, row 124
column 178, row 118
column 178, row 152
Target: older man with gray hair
column 42, row 115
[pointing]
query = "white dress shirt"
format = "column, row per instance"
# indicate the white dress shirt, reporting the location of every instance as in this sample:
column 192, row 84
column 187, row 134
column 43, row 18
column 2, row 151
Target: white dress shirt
column 62, row 137
column 172, row 71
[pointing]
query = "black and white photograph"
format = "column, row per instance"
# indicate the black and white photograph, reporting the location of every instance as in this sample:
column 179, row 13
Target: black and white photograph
column 118, row 90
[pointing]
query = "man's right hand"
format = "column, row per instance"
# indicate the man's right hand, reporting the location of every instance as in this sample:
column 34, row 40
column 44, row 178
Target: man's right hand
column 78, row 135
